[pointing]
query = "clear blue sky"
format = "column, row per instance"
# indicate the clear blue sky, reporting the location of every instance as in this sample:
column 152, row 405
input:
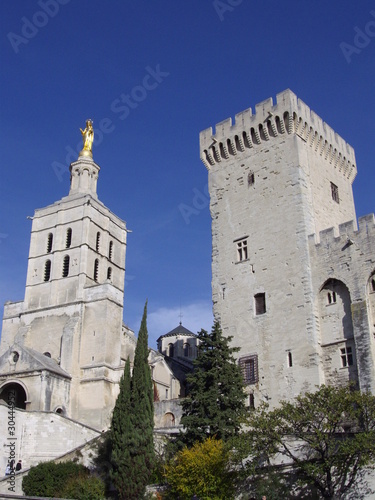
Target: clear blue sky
column 213, row 59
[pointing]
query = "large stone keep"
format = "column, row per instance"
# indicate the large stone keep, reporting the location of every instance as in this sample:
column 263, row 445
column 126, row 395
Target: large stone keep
column 293, row 274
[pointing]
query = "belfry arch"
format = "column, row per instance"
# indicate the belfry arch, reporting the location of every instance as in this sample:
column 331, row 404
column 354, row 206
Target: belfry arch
column 13, row 392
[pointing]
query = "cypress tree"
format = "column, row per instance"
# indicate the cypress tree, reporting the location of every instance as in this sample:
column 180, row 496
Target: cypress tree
column 215, row 405
column 121, row 433
column 142, row 417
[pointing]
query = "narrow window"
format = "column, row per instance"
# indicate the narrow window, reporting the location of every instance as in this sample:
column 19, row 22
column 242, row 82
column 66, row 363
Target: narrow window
column 68, row 240
column 335, row 193
column 96, row 270
column 251, row 402
column 47, row 270
column 166, row 393
column 187, row 350
column 373, row 284
column 110, row 250
column 250, row 178
column 109, row 273
column 97, row 241
column 65, row 271
column 242, row 250
column 170, row 350
column 49, row 242
column 260, row 303
column 249, row 368
column 290, row 359
column 329, row 297
column 346, row 356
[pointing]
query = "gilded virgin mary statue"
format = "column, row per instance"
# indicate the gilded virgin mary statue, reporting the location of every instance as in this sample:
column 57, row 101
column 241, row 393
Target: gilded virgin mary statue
column 88, row 139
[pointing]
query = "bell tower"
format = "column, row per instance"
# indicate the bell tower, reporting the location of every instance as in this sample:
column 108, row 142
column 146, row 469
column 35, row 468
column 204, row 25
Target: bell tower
column 73, row 306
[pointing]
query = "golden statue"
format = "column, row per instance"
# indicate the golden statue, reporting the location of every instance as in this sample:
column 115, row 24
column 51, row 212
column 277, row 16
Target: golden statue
column 88, row 139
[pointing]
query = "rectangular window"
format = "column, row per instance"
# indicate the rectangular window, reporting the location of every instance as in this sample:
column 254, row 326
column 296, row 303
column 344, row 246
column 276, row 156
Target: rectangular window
column 241, row 246
column 335, row 193
column 346, row 357
column 260, row 303
column 249, row 368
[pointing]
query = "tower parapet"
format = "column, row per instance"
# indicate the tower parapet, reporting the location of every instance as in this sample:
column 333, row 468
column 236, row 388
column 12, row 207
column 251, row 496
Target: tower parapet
column 346, row 234
column 288, row 116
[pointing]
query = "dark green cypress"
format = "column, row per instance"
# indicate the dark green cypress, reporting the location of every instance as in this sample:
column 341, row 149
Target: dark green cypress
column 215, row 405
column 142, row 416
column 121, row 435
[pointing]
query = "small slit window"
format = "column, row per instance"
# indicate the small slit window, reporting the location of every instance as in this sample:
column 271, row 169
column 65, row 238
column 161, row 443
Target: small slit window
column 260, row 303
column 251, row 401
column 250, row 178
column 49, row 242
column 97, row 246
column 109, row 273
column 47, row 270
column 110, row 250
column 372, row 284
column 290, row 359
column 331, row 297
column 335, row 193
column 68, row 240
column 66, row 262
column 96, row 270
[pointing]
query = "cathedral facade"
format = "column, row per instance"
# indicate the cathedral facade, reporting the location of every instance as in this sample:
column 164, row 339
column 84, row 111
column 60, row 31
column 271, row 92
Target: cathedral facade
column 293, row 273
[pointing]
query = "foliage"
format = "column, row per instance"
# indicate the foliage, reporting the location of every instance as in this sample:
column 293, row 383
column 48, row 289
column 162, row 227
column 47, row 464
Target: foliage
column 328, row 436
column 131, row 435
column 120, row 436
column 215, row 405
column 201, row 471
column 85, row 487
column 49, row 479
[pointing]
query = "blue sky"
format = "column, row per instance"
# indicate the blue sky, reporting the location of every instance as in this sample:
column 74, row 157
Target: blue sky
column 63, row 62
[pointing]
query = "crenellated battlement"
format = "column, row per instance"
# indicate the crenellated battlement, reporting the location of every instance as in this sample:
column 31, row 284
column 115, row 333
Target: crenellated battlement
column 346, row 234
column 288, row 116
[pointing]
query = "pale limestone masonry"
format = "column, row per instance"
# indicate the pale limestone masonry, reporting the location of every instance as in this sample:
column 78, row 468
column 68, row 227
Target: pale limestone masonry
column 300, row 307
column 63, row 347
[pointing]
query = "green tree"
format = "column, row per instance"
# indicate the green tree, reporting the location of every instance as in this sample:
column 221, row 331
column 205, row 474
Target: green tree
column 215, row 405
column 202, row 470
column 327, row 436
column 121, row 435
column 131, row 436
column 142, row 416
column 49, row 479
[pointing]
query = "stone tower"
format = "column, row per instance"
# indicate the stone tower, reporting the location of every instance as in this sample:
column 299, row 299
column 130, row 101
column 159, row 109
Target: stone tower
column 61, row 348
column 292, row 275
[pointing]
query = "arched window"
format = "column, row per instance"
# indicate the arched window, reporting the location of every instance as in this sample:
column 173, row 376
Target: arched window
column 170, row 350
column 97, row 241
column 65, row 271
column 187, row 349
column 110, row 250
column 68, row 240
column 49, row 242
column 109, row 273
column 96, row 270
column 47, row 270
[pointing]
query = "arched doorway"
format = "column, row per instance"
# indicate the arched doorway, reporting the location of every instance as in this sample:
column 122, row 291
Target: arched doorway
column 14, row 392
